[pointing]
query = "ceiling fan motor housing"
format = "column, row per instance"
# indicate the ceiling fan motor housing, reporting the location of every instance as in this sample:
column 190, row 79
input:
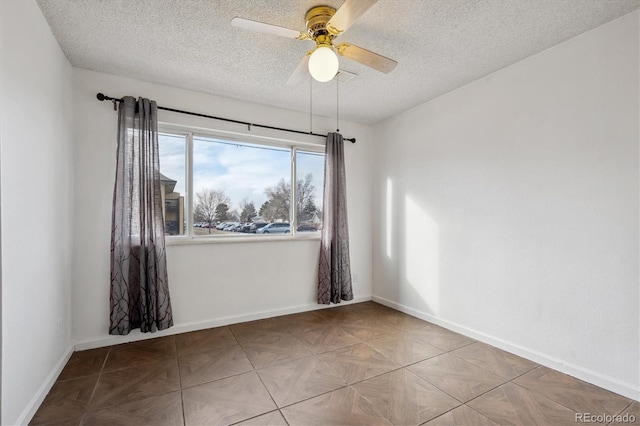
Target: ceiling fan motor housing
column 316, row 19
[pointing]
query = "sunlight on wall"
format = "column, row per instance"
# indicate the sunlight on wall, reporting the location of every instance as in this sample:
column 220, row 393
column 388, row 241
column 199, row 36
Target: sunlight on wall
column 389, row 221
column 421, row 257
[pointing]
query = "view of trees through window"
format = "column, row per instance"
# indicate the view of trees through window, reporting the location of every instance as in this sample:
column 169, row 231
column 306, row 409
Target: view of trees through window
column 239, row 188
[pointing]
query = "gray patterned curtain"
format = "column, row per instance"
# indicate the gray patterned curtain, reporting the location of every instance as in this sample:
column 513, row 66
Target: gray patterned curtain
column 139, row 287
column 334, row 272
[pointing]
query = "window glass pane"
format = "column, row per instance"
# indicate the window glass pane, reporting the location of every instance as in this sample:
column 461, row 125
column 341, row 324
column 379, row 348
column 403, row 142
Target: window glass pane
column 310, row 183
column 172, row 181
column 238, row 187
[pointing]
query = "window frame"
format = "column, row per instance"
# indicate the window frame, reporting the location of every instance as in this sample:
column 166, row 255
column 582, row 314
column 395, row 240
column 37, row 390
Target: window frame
column 191, row 132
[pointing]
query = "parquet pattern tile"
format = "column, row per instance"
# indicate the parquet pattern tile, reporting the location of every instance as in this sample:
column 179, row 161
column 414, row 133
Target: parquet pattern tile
column 273, row 418
column 209, row 366
column 249, row 331
column 299, row 379
column 358, row 362
column 297, row 323
column 402, row 321
column 355, row 364
column 160, row 410
column 625, row 415
column 204, row 340
column 462, row 415
column 341, row 407
column 374, row 322
column 575, row 394
column 404, row 348
column 135, row 383
column 405, row 399
column 141, row 353
column 67, row 422
column 325, row 338
column 365, row 333
column 441, row 337
column 85, row 363
column 495, row 360
column 514, row 405
column 67, row 400
column 370, row 308
column 274, row 349
column 338, row 315
column 457, row 377
column 226, row 401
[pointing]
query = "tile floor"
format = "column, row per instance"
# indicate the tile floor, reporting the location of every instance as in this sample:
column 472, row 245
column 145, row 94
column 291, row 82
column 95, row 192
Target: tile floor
column 359, row 364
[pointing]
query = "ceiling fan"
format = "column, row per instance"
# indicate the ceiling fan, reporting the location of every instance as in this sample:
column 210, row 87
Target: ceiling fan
column 324, row 24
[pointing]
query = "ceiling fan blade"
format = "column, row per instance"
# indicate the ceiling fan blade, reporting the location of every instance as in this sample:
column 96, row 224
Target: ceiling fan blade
column 347, row 15
column 301, row 71
column 261, row 27
column 366, row 57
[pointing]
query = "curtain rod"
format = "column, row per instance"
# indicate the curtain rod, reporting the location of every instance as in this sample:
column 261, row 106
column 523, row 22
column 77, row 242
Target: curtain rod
column 102, row 97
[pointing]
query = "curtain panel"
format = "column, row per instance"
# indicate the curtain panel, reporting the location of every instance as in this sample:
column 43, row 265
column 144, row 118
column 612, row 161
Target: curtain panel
column 334, row 271
column 139, row 286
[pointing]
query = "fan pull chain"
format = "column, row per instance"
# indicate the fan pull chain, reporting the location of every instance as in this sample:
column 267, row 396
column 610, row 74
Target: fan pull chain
column 310, row 104
column 337, row 105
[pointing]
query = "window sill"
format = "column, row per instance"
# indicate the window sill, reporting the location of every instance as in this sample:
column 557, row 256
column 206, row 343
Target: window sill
column 179, row 241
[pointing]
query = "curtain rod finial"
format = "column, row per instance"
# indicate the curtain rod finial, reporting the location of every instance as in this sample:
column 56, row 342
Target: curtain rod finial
column 100, row 96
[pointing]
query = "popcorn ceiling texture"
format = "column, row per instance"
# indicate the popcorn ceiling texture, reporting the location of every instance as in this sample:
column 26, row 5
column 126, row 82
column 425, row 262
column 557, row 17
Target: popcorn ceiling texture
column 440, row 45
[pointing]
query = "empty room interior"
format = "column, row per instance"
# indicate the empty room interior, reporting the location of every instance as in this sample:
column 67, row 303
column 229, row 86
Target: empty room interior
column 461, row 244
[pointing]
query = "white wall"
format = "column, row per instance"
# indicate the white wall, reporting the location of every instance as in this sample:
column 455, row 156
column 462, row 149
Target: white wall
column 37, row 213
column 210, row 284
column 508, row 209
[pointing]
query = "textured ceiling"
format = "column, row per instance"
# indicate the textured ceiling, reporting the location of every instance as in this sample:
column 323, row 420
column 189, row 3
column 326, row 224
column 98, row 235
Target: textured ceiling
column 440, row 45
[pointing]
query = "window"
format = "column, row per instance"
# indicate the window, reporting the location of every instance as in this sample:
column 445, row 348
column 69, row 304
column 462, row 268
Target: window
column 172, row 181
column 239, row 188
column 310, row 171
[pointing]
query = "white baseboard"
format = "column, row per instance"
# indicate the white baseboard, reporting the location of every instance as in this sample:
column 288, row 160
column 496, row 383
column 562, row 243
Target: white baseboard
column 40, row 395
column 136, row 335
column 629, row 390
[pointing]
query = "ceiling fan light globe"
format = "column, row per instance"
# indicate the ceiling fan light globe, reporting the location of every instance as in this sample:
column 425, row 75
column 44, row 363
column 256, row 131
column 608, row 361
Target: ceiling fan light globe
column 323, row 64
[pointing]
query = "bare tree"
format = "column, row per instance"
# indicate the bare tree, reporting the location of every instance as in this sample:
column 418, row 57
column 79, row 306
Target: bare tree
column 279, row 199
column 207, row 201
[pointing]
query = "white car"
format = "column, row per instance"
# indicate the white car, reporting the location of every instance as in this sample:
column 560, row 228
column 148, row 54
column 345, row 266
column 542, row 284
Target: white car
column 275, row 228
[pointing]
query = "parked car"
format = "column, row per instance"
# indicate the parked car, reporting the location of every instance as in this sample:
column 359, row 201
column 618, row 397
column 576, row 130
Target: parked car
column 257, row 225
column 237, row 227
column 306, row 228
column 230, row 226
column 222, row 225
column 246, row 228
column 275, row 228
